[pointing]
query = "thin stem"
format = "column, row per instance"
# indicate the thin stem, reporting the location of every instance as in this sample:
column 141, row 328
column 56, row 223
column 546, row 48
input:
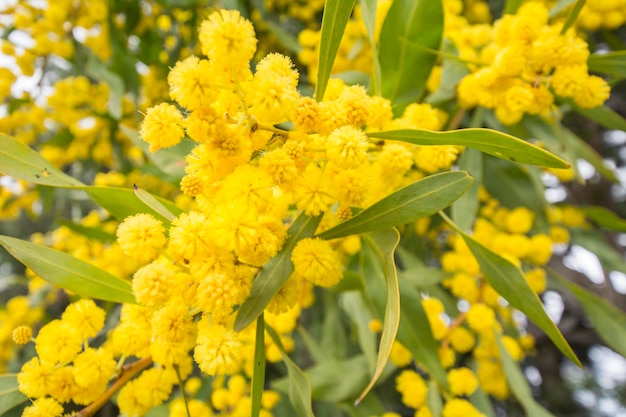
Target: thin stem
column 128, row 373
column 182, row 390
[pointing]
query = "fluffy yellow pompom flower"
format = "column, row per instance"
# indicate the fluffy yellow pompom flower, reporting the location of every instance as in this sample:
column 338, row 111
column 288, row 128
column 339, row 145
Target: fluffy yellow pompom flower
column 460, row 408
column 58, row 342
column 190, row 83
column 227, row 37
column 140, row 236
column 85, row 317
column 462, row 340
column 153, row 284
column 462, row 382
column 218, row 351
column 140, row 395
column 347, row 147
column 93, row 368
column 481, row 318
column 412, row 387
column 35, row 378
column 43, row 407
column 314, row 260
column 519, row 220
column 162, row 127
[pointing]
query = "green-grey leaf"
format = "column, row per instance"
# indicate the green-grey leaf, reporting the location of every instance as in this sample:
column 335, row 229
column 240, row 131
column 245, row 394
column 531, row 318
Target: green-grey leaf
column 573, row 15
column 605, row 116
column 414, row 330
column 68, row 272
column 452, row 72
column 408, row 204
column 409, row 42
column 258, row 372
column 486, row 140
column 605, row 218
column 612, row 63
column 19, row 161
column 274, row 273
column 299, row 385
column 122, row 202
column 433, row 399
column 334, row 21
column 329, row 382
column 594, row 241
column 511, row 6
column 100, row 72
column 153, row 203
column 353, row 304
column 464, row 209
column 519, row 385
column 10, row 395
column 383, row 244
column 609, row 321
column 508, row 280
column 368, row 11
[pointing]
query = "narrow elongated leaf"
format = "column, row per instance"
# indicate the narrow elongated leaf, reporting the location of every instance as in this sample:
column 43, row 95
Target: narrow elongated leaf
column 609, row 321
column 605, row 218
column 153, row 203
column 21, row 162
column 354, row 305
column 452, row 72
column 511, row 6
column 258, row 373
column 274, row 273
column 612, row 63
column 486, row 140
column 383, row 245
column 68, row 272
column 408, row 204
column 518, row 384
column 299, row 385
column 509, row 282
column 414, row 330
column 368, row 11
column 329, row 382
column 10, row 395
column 122, row 202
column 464, row 209
column 409, row 41
column 481, row 401
column 605, row 116
column 595, row 242
column 100, row 72
column 334, row 21
column 560, row 6
column 573, row 15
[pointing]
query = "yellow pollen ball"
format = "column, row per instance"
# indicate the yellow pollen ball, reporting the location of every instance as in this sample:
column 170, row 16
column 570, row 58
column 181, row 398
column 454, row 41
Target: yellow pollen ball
column 22, row 335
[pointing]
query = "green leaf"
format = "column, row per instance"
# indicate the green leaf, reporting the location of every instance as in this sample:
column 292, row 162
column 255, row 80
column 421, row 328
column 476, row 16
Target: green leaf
column 100, row 72
column 355, row 307
column 122, row 202
column 605, row 116
column 560, row 6
column 258, row 373
column 612, row 63
column 383, row 245
column 573, row 15
column 286, row 38
column 21, row 162
column 433, row 399
column 464, row 209
column 486, row 140
column 452, row 72
column 605, row 218
column 509, row 282
column 10, row 395
column 368, row 12
column 408, row 204
column 511, row 6
column 518, row 384
column 481, row 401
column 414, row 330
column 329, row 382
column 299, row 385
column 334, row 21
column 68, row 272
column 609, row 321
column 150, row 201
column 595, row 242
column 96, row 233
column 274, row 273
column 409, row 42
column 585, row 151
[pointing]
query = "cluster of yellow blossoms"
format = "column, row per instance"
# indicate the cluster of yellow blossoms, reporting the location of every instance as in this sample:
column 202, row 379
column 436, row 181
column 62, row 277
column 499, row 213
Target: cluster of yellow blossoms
column 525, row 62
